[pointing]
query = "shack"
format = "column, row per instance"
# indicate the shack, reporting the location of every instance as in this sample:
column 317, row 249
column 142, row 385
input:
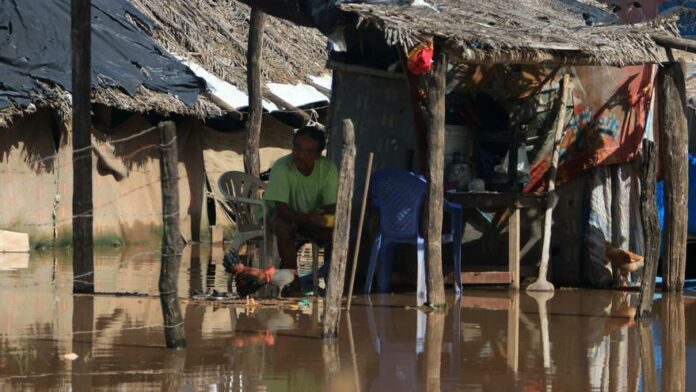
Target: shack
column 528, row 47
column 143, row 72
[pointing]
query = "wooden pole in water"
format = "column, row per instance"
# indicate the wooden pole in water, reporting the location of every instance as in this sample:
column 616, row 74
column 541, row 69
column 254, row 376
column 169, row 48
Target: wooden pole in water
column 673, row 343
column 434, row 335
column 651, row 229
column 339, row 254
column 356, row 251
column 435, row 82
column 252, row 163
column 675, row 170
column 542, row 284
column 172, row 245
column 83, row 262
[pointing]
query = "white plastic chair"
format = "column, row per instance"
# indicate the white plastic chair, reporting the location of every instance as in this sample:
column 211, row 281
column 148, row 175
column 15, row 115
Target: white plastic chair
column 242, row 193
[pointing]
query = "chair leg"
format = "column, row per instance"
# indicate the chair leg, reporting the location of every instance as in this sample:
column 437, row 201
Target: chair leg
column 315, row 268
column 457, row 273
column 384, row 266
column 421, row 290
column 372, row 265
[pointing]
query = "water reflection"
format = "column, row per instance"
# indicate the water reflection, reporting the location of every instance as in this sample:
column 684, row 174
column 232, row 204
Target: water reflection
column 489, row 339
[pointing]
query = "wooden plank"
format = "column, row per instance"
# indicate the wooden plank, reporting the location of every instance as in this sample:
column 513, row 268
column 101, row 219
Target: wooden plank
column 651, row 229
column 252, row 163
column 82, row 208
column 11, row 241
column 172, row 243
column 674, row 143
column 496, row 199
column 339, row 253
column 435, row 82
column 514, row 248
column 486, row 277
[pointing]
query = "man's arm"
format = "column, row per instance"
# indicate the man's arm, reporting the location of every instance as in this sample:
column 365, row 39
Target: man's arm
column 287, row 213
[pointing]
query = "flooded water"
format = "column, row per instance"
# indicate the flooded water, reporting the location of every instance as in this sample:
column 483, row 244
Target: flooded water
column 489, row 340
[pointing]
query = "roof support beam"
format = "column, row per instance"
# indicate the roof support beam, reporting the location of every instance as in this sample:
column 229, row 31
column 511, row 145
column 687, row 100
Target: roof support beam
column 252, row 161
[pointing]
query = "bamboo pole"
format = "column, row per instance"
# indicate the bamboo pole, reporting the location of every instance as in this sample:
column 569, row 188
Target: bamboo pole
column 435, row 89
column 83, row 257
column 252, row 163
column 339, row 254
column 172, row 245
column 542, row 284
column 361, row 221
column 675, row 169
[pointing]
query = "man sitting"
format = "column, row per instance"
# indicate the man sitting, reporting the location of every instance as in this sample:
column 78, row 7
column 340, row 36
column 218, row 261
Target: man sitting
column 301, row 195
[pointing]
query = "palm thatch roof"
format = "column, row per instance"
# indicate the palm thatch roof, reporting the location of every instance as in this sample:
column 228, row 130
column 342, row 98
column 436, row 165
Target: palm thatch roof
column 213, row 34
column 524, row 31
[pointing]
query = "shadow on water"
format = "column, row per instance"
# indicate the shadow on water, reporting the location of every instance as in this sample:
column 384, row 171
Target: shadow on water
column 490, row 339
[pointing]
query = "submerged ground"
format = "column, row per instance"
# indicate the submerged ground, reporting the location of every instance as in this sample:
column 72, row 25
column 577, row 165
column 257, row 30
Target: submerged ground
column 490, row 339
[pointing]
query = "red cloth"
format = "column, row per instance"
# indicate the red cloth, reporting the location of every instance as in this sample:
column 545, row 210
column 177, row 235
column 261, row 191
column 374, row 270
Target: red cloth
column 420, row 58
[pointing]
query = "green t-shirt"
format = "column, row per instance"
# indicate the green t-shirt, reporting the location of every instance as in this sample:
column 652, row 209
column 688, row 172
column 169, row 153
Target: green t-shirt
column 302, row 193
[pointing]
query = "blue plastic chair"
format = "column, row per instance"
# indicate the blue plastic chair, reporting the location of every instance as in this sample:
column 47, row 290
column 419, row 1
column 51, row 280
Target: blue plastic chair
column 399, row 197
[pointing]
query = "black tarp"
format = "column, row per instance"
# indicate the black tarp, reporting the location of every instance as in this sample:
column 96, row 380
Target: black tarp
column 35, row 46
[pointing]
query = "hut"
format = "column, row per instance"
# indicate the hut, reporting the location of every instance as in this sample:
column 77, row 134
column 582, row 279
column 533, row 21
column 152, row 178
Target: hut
column 528, row 46
column 140, row 77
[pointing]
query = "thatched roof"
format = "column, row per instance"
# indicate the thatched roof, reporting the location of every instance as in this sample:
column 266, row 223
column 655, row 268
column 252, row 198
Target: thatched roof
column 524, row 31
column 214, row 34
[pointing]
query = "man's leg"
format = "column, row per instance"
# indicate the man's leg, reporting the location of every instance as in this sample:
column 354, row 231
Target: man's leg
column 286, row 232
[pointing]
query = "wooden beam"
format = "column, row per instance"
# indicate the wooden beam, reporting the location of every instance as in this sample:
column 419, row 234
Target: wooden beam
column 172, row 244
column 83, row 212
column 435, row 82
column 434, row 335
column 685, row 45
column 674, row 144
column 252, row 161
column 341, row 234
column 651, row 228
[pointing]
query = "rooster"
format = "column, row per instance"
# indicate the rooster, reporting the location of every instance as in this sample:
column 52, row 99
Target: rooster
column 250, row 280
column 282, row 278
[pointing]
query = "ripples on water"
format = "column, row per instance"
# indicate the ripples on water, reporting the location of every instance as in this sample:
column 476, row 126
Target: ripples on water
column 491, row 339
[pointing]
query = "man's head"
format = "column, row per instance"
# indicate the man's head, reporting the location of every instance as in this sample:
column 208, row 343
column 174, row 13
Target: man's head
column 307, row 145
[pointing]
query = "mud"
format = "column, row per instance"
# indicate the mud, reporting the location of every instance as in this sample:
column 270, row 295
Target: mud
column 489, row 340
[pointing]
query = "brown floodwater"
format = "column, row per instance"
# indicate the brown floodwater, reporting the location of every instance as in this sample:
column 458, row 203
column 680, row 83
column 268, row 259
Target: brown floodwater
column 491, row 339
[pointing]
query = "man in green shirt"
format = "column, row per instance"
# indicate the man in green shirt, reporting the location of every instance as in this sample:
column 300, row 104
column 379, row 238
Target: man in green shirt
column 301, row 194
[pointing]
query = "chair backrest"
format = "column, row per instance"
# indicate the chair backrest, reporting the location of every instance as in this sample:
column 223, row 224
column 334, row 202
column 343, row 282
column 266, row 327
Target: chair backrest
column 242, row 195
column 399, row 196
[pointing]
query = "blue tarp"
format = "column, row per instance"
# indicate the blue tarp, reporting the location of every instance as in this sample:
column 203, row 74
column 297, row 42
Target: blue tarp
column 691, row 206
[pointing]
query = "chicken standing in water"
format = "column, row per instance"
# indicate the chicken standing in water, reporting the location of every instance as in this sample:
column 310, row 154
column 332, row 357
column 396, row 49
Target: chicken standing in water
column 250, row 280
column 282, row 278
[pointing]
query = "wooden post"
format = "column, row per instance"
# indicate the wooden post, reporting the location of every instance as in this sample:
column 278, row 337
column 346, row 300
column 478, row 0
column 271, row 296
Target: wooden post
column 434, row 334
column 435, row 89
column 83, row 213
column 252, row 163
column 82, row 342
column 673, row 343
column 675, row 170
column 361, row 221
column 647, row 356
column 514, row 247
column 651, row 229
column 339, row 254
column 172, row 245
